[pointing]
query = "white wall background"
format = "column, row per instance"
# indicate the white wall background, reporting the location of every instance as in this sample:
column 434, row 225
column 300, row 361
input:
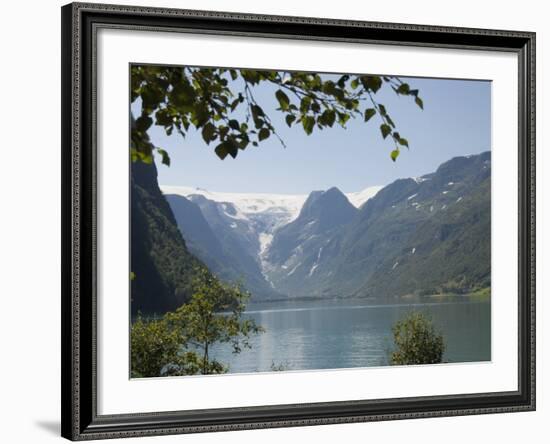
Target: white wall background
column 30, row 221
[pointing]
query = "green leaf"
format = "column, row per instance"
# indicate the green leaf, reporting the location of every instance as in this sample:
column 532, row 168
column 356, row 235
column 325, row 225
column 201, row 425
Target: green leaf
column 165, row 156
column 290, row 118
column 183, row 94
column 305, row 104
column 369, row 113
column 151, row 97
column 328, row 117
column 394, row 154
column 404, row 88
column 308, row 122
column 283, row 99
column 343, row 118
column 263, row 134
column 257, row 111
column 221, row 151
column 403, row 142
column 243, row 142
column 134, row 155
column 329, row 87
column 235, row 103
column 201, row 115
column 419, row 102
column 342, row 80
column 132, row 275
column 385, row 129
column 208, row 132
column 371, row 82
column 382, row 110
column 225, row 148
column 146, row 158
column 143, row 156
column 234, row 124
column 143, row 123
column 258, row 123
column 164, row 118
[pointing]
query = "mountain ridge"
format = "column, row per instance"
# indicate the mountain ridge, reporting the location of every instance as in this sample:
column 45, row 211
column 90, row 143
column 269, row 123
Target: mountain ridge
column 335, row 244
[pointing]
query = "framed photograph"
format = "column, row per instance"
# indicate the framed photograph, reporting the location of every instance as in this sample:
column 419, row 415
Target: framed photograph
column 278, row 221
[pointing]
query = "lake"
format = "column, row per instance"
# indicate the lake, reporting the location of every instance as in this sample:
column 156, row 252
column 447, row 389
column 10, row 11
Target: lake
column 344, row 334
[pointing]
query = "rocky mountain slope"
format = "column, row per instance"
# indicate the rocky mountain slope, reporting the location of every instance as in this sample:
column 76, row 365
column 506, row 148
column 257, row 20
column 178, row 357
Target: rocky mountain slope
column 162, row 266
column 415, row 236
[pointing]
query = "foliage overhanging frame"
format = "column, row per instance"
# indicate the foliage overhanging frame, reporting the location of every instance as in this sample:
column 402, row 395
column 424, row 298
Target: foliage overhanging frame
column 80, row 22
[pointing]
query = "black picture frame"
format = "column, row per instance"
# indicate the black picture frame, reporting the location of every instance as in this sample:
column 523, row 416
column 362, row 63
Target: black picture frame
column 80, row 420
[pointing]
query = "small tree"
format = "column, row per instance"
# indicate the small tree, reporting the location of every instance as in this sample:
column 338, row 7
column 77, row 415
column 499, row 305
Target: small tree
column 214, row 315
column 416, row 341
column 157, row 350
column 180, row 342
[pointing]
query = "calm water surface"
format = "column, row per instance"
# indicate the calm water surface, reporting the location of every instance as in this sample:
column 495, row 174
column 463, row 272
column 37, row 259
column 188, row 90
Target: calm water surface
column 345, row 334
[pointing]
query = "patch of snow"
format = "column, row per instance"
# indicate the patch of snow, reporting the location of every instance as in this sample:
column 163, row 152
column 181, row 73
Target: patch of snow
column 316, row 264
column 238, row 215
column 431, row 208
column 412, row 197
column 451, row 183
column 265, row 240
column 443, row 207
column 459, row 199
column 233, row 225
column 420, row 179
column 285, row 207
column 444, row 192
column 358, row 198
column 294, row 269
column 413, row 250
column 312, row 269
column 395, row 265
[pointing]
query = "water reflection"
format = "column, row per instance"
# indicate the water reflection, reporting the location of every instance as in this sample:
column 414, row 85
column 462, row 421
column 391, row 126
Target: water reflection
column 346, row 334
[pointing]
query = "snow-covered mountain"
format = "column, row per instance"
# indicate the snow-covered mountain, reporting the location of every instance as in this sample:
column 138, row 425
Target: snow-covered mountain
column 358, row 198
column 417, row 236
column 246, row 223
column 413, row 236
column 429, row 235
column 297, row 248
column 282, row 208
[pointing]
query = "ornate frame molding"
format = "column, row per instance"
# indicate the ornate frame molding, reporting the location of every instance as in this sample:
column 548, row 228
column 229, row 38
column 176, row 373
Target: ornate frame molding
column 80, row 22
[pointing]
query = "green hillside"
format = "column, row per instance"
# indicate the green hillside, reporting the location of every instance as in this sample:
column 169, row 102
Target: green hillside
column 162, row 265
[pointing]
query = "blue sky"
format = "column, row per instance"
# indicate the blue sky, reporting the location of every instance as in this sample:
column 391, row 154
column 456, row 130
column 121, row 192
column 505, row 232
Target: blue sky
column 456, row 121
